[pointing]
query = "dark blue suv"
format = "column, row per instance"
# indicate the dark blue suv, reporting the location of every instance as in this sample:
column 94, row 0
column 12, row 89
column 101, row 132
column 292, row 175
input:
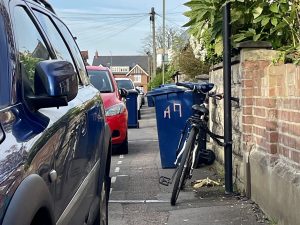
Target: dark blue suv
column 55, row 147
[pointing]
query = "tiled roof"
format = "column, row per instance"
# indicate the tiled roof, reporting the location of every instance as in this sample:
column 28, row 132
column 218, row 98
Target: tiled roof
column 130, row 61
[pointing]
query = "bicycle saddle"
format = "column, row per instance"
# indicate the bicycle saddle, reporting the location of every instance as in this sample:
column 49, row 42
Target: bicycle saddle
column 200, row 109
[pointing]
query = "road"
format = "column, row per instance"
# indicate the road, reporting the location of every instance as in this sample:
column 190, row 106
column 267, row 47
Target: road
column 138, row 199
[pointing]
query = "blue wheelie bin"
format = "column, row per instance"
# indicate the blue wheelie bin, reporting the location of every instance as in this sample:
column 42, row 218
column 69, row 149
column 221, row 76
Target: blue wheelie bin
column 131, row 104
column 150, row 100
column 173, row 106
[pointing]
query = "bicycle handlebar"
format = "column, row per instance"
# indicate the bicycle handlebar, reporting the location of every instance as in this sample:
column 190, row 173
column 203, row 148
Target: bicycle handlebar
column 217, row 96
column 199, row 89
column 190, row 86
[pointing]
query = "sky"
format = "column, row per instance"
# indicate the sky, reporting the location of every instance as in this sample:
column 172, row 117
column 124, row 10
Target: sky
column 116, row 27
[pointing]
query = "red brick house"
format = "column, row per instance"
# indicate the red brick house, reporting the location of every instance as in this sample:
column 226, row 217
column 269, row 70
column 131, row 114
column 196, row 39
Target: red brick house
column 134, row 67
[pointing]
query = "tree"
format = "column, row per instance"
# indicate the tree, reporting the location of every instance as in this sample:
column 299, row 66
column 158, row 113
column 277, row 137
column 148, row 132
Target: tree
column 186, row 62
column 172, row 34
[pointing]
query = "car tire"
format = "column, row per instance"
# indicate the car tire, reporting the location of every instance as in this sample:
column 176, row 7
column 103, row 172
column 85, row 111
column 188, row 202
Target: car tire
column 123, row 149
column 102, row 217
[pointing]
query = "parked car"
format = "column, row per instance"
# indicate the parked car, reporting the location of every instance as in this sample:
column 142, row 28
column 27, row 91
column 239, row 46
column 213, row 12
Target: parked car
column 127, row 84
column 142, row 95
column 55, row 148
column 116, row 111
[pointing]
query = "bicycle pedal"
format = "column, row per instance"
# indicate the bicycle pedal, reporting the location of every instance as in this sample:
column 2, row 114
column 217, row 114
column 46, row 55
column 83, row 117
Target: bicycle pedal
column 164, row 180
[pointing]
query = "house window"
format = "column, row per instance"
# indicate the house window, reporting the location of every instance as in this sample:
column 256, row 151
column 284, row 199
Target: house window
column 138, row 78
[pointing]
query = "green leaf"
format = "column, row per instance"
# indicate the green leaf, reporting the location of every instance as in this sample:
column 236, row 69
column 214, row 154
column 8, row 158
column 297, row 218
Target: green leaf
column 265, row 21
column 274, row 8
column 239, row 37
column 257, row 12
column 219, row 47
column 284, row 7
column 274, row 21
column 258, row 19
column 191, row 22
column 252, row 31
column 256, row 37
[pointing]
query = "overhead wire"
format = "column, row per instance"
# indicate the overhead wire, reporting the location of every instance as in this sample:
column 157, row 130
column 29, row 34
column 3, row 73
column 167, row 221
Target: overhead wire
column 107, row 33
column 103, row 26
column 108, row 23
column 170, row 21
column 126, row 28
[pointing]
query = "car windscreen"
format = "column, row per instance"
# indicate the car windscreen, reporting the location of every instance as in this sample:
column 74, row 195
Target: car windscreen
column 127, row 84
column 101, row 80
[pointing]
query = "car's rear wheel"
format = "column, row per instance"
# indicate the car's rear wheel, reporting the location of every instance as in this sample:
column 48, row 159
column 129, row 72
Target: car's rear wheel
column 102, row 217
column 123, row 149
column 104, row 204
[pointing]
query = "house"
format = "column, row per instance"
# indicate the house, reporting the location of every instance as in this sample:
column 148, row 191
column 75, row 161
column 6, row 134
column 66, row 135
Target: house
column 137, row 68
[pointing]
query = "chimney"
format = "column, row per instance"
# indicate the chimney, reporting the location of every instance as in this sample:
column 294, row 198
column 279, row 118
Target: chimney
column 96, row 54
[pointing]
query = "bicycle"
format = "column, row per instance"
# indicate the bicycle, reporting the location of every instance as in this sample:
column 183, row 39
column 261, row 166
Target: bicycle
column 193, row 148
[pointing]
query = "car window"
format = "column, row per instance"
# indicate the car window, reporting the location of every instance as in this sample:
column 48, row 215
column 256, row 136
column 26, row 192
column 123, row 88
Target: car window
column 58, row 44
column 4, row 92
column 31, row 46
column 127, row 84
column 74, row 49
column 101, row 80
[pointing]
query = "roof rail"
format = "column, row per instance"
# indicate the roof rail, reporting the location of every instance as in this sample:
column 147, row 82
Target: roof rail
column 46, row 5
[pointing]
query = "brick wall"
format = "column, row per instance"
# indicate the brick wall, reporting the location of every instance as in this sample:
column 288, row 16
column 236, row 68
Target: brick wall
column 271, row 108
column 266, row 131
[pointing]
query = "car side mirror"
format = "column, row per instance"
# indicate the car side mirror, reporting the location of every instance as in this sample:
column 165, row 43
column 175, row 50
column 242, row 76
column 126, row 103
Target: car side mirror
column 55, row 84
column 2, row 134
column 123, row 92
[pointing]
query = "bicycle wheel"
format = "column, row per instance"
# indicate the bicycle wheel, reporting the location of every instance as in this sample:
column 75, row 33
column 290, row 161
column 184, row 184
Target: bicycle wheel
column 181, row 175
column 186, row 171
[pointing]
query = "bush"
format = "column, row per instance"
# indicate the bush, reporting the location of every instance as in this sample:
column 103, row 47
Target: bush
column 155, row 82
column 275, row 21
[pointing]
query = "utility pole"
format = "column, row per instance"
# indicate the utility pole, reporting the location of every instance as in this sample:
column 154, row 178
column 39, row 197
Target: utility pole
column 164, row 42
column 227, row 98
column 152, row 19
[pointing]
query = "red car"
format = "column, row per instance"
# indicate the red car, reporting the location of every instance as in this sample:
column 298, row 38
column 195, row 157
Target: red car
column 115, row 109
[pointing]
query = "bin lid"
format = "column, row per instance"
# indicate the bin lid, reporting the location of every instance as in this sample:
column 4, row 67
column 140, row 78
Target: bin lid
column 166, row 90
column 132, row 92
column 173, row 88
column 204, row 86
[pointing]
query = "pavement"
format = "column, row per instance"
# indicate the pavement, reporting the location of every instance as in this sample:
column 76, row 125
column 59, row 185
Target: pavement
column 137, row 198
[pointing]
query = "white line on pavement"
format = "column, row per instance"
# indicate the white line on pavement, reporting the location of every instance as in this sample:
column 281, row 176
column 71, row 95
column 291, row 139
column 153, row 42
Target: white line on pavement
column 119, row 162
column 138, row 201
column 121, row 156
column 117, row 170
column 122, row 175
column 110, row 191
